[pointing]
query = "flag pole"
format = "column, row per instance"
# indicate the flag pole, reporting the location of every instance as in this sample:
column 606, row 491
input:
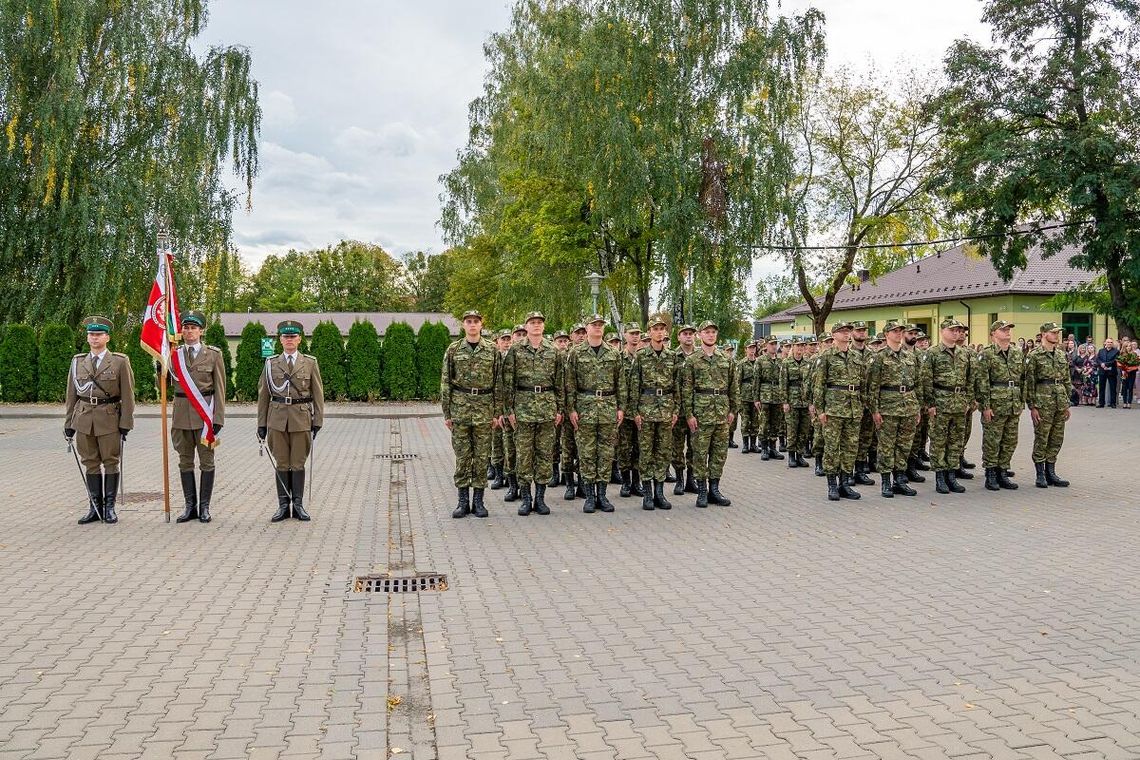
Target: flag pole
column 163, row 241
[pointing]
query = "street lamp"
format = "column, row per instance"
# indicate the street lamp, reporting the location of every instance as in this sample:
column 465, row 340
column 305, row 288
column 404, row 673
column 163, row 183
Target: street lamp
column 595, row 280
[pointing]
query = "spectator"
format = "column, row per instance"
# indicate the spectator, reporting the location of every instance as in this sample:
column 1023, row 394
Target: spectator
column 1021, row 344
column 1087, row 369
column 1106, row 369
column 1128, row 362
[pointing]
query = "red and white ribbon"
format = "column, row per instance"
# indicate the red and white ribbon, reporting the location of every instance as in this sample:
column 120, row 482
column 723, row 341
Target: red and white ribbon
column 204, row 407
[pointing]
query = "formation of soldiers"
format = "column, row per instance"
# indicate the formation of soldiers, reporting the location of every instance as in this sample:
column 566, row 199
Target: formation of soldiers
column 585, row 409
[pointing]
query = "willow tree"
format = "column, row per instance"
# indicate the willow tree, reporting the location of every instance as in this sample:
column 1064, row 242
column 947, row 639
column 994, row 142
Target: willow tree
column 113, row 125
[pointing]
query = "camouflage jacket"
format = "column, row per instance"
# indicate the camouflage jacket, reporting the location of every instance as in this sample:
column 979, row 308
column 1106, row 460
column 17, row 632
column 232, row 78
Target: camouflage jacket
column 469, row 387
column 947, row 381
column 709, row 389
column 745, row 374
column 653, row 389
column 766, row 381
column 793, row 382
column 590, row 373
column 627, row 362
column 1046, row 377
column 532, row 382
column 838, row 384
column 1001, row 380
column 892, row 383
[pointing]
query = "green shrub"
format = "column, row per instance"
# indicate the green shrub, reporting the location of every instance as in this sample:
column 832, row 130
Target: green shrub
column 399, row 359
column 143, row 367
column 216, row 336
column 431, row 345
column 328, row 349
column 362, row 362
column 18, row 357
column 56, row 351
column 249, row 362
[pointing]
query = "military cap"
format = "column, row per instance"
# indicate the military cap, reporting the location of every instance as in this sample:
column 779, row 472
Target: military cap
column 534, row 315
column 841, row 325
column 684, row 328
column 473, row 313
column 876, row 339
column 912, row 327
column 1051, row 327
column 658, row 319
column 504, row 333
column 593, row 318
column 921, row 334
column 96, row 323
column 707, row 324
column 950, row 323
column 561, row 334
column 1000, row 324
column 810, row 340
column 894, row 324
column 290, row 327
column 611, row 337
column 858, row 324
column 519, row 328
column 578, row 328
column 772, row 339
column 194, row 318
column 634, row 328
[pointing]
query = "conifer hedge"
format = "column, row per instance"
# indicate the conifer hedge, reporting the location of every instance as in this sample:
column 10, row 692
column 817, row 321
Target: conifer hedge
column 18, row 357
column 249, row 362
column 362, row 362
column 399, row 359
column 328, row 349
column 56, row 350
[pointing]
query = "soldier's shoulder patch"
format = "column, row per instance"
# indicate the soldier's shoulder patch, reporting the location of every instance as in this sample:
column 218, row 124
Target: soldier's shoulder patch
column 120, row 355
column 80, row 355
column 215, row 349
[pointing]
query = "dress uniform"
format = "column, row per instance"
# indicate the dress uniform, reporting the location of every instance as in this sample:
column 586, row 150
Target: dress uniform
column 290, row 413
column 206, row 370
column 949, row 390
column 627, row 449
column 839, row 380
column 100, row 412
column 595, row 389
column 1047, row 395
column 793, row 379
column 654, row 403
column 745, row 372
column 1001, row 397
column 893, row 398
column 682, row 437
column 765, row 392
column 709, row 397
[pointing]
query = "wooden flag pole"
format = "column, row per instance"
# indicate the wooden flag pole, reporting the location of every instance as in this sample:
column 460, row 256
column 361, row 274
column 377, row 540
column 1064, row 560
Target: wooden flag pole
column 165, row 449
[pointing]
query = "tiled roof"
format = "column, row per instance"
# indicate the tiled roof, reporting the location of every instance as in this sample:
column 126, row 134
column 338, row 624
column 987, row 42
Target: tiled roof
column 955, row 274
column 235, row 321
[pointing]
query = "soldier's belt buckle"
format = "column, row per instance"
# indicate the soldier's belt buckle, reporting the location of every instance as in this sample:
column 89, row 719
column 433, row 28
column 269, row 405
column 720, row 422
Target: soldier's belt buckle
column 93, row 400
column 474, row 392
column 1012, row 384
column 538, row 389
column 288, row 401
column 903, row 389
column 851, row 388
column 959, row 389
column 659, row 391
column 599, row 394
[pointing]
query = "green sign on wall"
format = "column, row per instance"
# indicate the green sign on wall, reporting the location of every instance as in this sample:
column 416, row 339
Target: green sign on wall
column 266, row 348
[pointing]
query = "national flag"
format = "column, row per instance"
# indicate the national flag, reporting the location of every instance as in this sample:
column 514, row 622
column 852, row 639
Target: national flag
column 160, row 323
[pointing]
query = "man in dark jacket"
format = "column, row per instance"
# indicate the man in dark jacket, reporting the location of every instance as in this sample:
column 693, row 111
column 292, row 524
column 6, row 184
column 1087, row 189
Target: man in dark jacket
column 1106, row 368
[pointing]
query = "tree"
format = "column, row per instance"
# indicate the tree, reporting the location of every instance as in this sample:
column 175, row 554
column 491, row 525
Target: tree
column 18, row 357
column 774, row 293
column 431, row 344
column 328, row 349
column 282, row 284
column 216, row 336
column 55, row 354
column 355, row 276
column 250, row 363
column 428, row 278
column 142, row 365
column 399, row 362
column 113, row 122
column 362, row 362
column 1043, row 125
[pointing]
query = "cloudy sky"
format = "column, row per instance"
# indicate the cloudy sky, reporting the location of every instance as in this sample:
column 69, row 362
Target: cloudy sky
column 365, row 102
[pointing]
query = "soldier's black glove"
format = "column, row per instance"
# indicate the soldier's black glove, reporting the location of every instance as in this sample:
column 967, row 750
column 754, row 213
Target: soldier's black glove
column 316, row 429
column 217, row 428
column 123, row 433
column 262, row 432
column 69, row 432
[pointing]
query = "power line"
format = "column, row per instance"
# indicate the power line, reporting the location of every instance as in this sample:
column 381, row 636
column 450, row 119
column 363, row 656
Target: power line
column 955, row 240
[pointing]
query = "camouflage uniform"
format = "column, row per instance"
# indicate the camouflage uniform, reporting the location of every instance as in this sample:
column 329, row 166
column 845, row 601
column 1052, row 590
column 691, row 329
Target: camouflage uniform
column 922, row 431
column 838, row 393
column 1047, row 392
column 866, row 426
column 817, row 439
column 682, row 437
column 653, row 395
column 628, row 450
column 749, row 427
column 892, row 392
column 1001, row 390
column 709, row 392
column 794, row 375
column 949, row 388
column 595, row 388
column 766, row 391
column 532, row 388
column 470, row 393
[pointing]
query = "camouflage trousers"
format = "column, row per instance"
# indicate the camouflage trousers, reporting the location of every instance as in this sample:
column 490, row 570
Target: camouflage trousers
column 569, row 447
column 534, row 448
column 921, row 433
column 710, row 448
column 797, row 422
column 840, row 442
column 749, row 420
column 866, row 437
column 556, row 454
column 817, row 438
column 999, row 439
column 656, row 442
column 770, row 421
column 895, row 439
column 472, row 446
column 596, row 442
column 1049, row 434
column 682, row 446
column 627, row 446
column 732, row 426
column 969, row 426
column 510, row 456
column 947, row 439
column 497, row 447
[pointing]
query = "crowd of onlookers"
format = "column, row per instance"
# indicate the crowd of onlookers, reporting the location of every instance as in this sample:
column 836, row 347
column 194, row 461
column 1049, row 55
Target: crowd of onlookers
column 1103, row 376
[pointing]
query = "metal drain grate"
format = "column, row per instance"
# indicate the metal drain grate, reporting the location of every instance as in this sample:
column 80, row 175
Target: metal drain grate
column 396, row 457
column 384, row 584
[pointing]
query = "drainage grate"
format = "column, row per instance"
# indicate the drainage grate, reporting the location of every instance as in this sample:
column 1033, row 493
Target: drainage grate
column 396, row 457
column 384, row 584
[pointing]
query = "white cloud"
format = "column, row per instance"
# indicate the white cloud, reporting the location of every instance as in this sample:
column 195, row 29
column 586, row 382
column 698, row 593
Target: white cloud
column 396, row 139
column 277, row 110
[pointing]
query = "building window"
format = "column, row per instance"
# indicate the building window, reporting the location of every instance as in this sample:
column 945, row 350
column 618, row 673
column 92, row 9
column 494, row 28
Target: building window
column 871, row 327
column 993, row 318
column 1078, row 325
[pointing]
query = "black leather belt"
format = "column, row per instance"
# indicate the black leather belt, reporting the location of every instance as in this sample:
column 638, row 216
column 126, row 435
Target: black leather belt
column 849, row 388
column 711, row 391
column 180, row 394
column 289, row 400
column 535, row 388
column 1052, row 382
column 656, row 391
column 100, row 401
column 472, row 391
column 595, row 394
column 1006, row 384
column 897, row 388
column 952, row 388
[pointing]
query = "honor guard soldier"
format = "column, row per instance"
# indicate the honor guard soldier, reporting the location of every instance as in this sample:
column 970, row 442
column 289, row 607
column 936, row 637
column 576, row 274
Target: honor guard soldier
column 290, row 411
column 471, row 397
column 892, row 397
column 793, row 380
column 949, row 390
column 205, row 372
column 765, row 394
column 1047, row 395
column 1001, row 396
column 595, row 388
column 100, row 412
column 628, row 449
column 710, row 397
column 654, row 403
column 682, row 438
column 838, row 396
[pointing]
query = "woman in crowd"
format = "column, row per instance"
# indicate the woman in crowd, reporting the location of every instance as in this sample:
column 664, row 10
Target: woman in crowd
column 1087, row 358
column 1128, row 362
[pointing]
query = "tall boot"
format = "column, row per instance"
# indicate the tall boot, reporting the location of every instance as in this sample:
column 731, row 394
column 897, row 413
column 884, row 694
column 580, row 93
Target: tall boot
column 478, row 508
column 603, row 503
column 832, row 488
column 555, row 479
column 940, row 482
column 746, row 444
column 615, row 473
column 94, row 498
column 1003, row 480
column 659, row 500
column 887, row 490
column 900, row 487
column 679, row 483
column 764, row 454
column 772, row 451
column 845, row 489
column 802, row 461
column 702, row 494
column 647, row 496
column 912, row 473
column 783, row 443
column 635, row 485
column 581, row 490
column 298, row 488
column 625, row 487
column 205, row 492
column 732, row 441
column 952, row 482
column 715, row 496
column 110, row 488
column 792, row 464
column 922, row 462
column 690, row 481
column 860, row 477
column 463, row 506
column 1041, row 482
column 1051, row 476
column 591, row 504
column 284, row 502
column 540, row 499
column 819, row 466
column 190, row 494
column 512, row 488
column 568, row 476
column 527, row 505
column 963, row 464
column 500, row 480
column 991, row 479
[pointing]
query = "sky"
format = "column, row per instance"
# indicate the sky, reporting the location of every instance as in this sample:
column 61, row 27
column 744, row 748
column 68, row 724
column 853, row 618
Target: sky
column 365, row 103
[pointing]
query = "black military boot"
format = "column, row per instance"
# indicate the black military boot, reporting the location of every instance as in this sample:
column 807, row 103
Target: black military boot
column 832, row 488
column 555, row 479
column 1051, row 476
column 205, row 492
column 732, row 441
column 604, row 503
column 746, row 444
column 887, row 491
column 952, row 482
column 463, row 506
column 964, row 465
column 1003, row 480
column 570, row 488
column 284, row 502
column 715, row 496
column 500, row 480
column 297, row 486
column 702, row 494
column 819, row 465
column 635, row 486
column 872, row 460
column 190, row 494
column 803, row 458
column 912, row 473
column 659, row 500
column 792, row 464
column 923, row 457
column 690, row 481
column 110, row 487
column 845, row 489
column 669, row 476
column 860, row 477
column 1042, row 481
column 679, row 483
column 490, row 471
column 581, row 489
column 625, row 487
column 1009, row 473
column 478, row 508
column 647, row 496
column 764, row 455
column 772, row 451
column 962, row 472
column 783, row 443
column 615, row 473
column 527, row 505
column 512, row 488
column 540, row 499
column 94, row 498
column 591, row 504
column 940, row 482
column 991, row 479
column 900, row 487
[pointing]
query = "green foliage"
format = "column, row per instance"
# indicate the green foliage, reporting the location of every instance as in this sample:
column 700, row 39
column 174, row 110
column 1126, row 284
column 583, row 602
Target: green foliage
column 328, row 348
column 431, row 344
column 55, row 354
column 216, row 336
column 250, row 364
column 399, row 362
column 18, row 357
column 113, row 120
column 362, row 362
column 142, row 365
column 428, row 277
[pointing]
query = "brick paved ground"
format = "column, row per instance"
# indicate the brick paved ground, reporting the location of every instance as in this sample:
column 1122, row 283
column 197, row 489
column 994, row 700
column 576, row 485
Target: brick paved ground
column 784, row 626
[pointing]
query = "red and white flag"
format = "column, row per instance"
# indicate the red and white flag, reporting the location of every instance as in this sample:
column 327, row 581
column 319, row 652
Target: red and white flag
column 160, row 323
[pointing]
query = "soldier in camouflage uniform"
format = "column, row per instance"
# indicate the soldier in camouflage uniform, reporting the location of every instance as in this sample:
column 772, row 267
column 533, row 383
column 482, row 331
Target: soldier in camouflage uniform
column 765, row 395
column 709, row 398
column 595, row 387
column 532, row 389
column 964, row 467
column 825, row 342
column 682, row 438
column 627, row 449
column 730, row 352
column 654, row 403
column 1047, row 395
column 893, row 398
column 917, row 341
column 510, row 450
column 1001, row 397
column 949, row 390
column 569, row 443
column 793, row 396
column 866, row 425
column 471, row 397
column 839, row 380
column 561, row 342
column 745, row 373
column 498, row 445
